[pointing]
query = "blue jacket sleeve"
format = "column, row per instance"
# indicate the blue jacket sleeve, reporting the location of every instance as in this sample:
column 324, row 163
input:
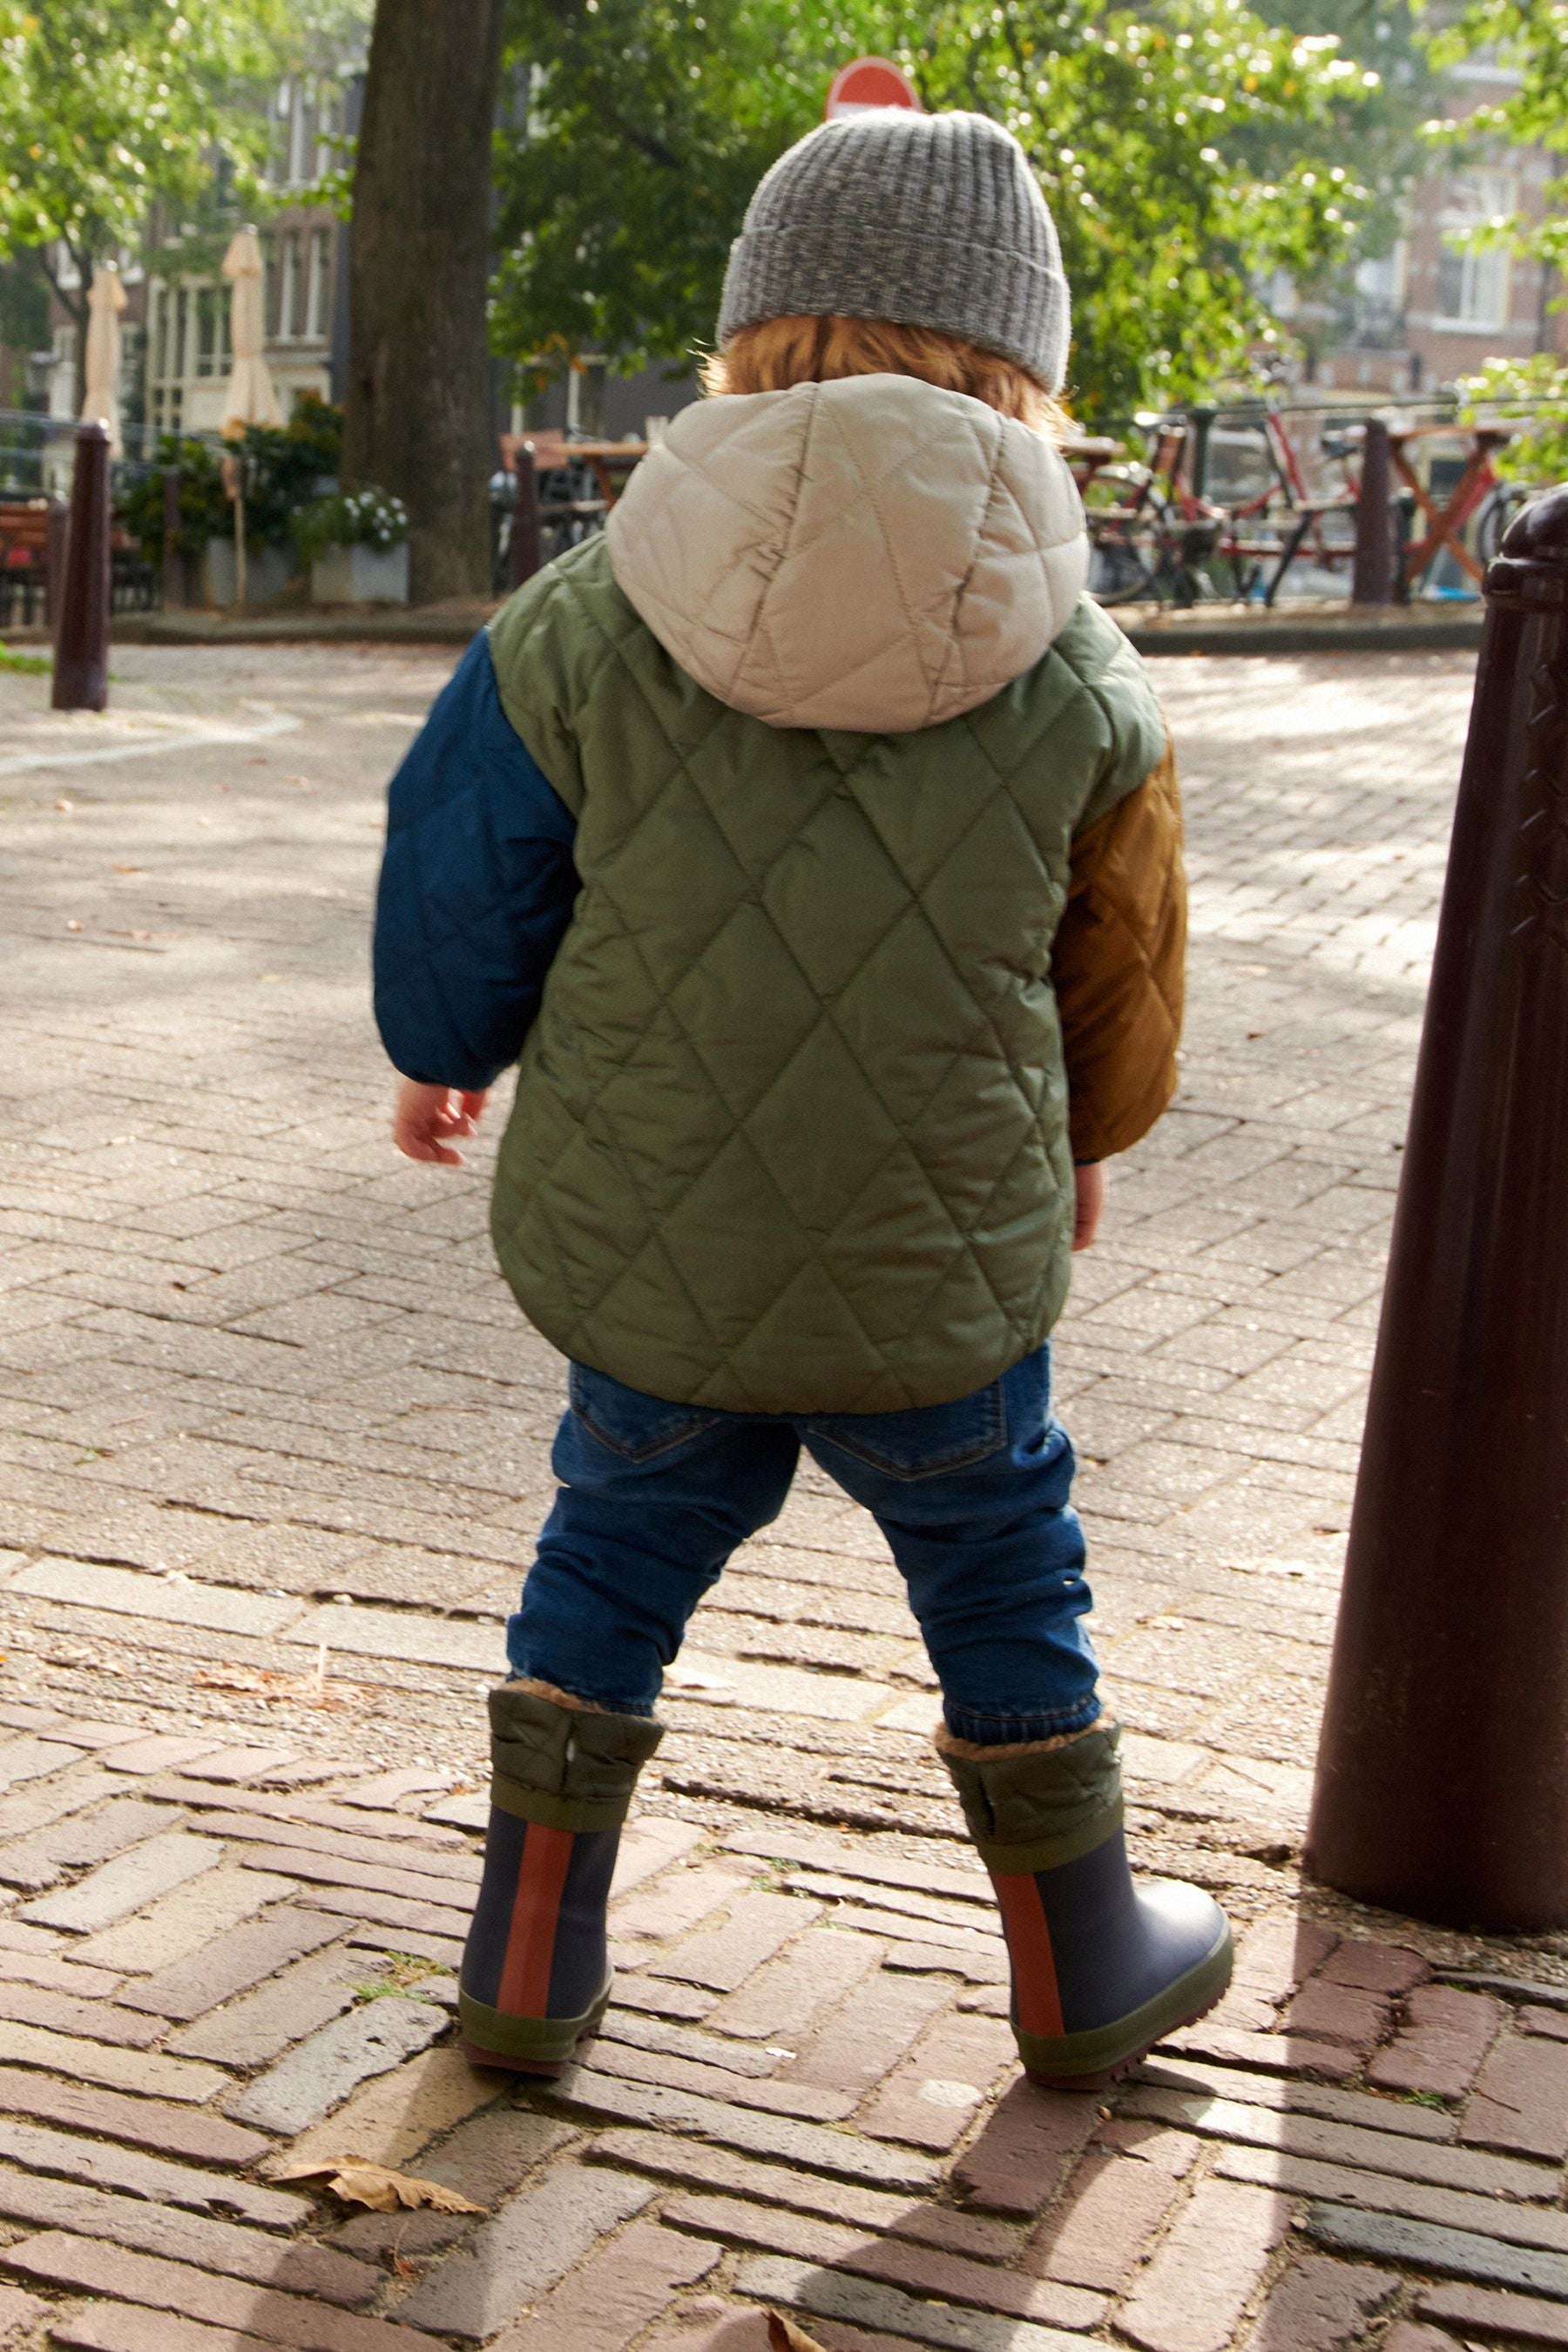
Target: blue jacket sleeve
column 476, row 888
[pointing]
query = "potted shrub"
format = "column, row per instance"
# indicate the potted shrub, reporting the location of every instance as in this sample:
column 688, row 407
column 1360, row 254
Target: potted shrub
column 205, row 539
column 285, row 465
column 356, row 545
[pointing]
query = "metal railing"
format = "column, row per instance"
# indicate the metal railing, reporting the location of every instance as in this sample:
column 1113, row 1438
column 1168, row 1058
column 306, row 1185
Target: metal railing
column 1246, row 499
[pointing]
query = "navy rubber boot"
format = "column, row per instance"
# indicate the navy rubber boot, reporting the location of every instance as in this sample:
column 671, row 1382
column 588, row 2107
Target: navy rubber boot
column 536, row 1974
column 1102, row 1967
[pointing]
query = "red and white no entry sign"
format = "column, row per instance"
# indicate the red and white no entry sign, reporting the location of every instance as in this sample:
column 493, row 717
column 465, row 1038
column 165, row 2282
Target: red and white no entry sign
column 868, row 84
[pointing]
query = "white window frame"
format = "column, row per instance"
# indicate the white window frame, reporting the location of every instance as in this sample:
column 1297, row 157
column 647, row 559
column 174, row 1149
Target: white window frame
column 298, row 134
column 287, row 285
column 1486, row 278
column 319, row 250
column 63, row 375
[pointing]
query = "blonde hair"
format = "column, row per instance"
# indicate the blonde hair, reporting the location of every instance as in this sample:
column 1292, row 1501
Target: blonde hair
column 775, row 353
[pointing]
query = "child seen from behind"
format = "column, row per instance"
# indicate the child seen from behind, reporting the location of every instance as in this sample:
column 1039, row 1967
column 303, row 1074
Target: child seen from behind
column 812, row 842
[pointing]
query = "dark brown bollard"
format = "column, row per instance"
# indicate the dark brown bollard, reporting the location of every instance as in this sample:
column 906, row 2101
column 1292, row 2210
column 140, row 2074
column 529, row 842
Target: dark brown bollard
column 81, row 635
column 1442, row 1782
column 526, row 553
column 57, row 529
column 1372, row 577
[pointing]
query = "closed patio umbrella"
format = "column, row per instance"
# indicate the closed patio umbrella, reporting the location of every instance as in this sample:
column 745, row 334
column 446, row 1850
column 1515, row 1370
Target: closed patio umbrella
column 250, row 397
column 100, row 399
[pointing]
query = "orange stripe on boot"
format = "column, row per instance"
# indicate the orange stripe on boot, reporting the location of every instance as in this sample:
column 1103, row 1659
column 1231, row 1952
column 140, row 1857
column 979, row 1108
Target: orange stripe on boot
column 1038, row 1998
column 524, row 1989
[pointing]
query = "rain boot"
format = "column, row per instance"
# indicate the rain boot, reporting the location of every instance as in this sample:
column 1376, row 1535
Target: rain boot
column 536, row 1973
column 1102, row 1969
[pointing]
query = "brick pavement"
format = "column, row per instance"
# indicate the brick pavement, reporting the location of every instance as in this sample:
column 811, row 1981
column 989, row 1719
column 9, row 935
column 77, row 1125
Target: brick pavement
column 271, row 1446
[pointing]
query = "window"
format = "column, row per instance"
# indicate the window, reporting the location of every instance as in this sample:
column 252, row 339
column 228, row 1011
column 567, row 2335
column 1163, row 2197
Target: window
column 301, row 133
column 1473, row 286
column 212, row 332
column 1472, row 289
column 317, row 317
column 292, row 287
column 187, row 337
column 278, row 145
column 328, row 107
column 1381, row 282
column 62, row 379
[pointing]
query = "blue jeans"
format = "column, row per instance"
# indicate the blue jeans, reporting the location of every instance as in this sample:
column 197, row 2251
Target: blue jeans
column 972, row 1496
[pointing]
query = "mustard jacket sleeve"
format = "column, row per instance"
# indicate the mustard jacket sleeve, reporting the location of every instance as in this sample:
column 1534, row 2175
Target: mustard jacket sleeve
column 1118, row 967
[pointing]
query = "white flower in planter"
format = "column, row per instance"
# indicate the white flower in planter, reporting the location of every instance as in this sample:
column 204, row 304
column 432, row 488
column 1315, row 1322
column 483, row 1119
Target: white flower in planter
column 357, row 546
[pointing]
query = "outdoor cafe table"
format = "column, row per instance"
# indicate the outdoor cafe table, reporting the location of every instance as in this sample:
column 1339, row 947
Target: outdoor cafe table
column 1445, row 523
column 610, row 462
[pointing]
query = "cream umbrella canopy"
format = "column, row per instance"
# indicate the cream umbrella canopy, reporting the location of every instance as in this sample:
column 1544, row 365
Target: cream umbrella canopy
column 248, row 395
column 100, row 400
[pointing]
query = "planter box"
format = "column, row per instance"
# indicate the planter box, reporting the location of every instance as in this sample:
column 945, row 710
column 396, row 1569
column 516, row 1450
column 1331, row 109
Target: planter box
column 360, row 576
column 268, row 572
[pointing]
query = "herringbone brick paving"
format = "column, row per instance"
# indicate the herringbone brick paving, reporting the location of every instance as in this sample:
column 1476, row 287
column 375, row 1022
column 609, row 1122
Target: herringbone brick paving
column 272, row 1444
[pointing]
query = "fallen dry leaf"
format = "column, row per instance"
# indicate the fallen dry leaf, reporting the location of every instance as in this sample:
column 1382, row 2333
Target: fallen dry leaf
column 783, row 2335
column 281, row 1689
column 358, row 2181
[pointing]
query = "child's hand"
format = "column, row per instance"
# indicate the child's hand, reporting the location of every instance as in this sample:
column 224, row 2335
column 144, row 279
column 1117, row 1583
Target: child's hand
column 427, row 1118
column 1089, row 1182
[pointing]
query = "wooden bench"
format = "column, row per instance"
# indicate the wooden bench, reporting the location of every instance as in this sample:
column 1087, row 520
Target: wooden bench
column 24, row 558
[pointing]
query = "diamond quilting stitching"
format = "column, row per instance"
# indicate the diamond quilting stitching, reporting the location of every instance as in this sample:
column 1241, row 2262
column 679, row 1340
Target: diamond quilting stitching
column 900, row 1140
column 714, row 796
column 672, row 1208
column 741, row 645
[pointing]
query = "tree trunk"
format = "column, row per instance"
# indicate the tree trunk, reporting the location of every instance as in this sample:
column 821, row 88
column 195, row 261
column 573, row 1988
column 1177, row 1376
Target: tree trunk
column 417, row 407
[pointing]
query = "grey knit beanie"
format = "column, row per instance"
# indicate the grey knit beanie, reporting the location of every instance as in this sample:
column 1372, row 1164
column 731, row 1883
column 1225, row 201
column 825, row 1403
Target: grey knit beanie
column 930, row 220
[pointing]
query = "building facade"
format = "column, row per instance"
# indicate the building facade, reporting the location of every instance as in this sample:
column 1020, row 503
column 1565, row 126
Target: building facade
column 188, row 347
column 1434, row 308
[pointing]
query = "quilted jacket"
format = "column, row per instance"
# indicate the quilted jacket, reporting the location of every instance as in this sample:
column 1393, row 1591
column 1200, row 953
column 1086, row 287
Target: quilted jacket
column 811, row 839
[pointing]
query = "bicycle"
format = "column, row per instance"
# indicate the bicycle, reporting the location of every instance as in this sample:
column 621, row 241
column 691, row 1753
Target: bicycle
column 1156, row 541
column 1163, row 540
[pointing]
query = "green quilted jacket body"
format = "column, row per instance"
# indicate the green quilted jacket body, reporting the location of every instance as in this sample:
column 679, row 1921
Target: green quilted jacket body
column 791, row 1126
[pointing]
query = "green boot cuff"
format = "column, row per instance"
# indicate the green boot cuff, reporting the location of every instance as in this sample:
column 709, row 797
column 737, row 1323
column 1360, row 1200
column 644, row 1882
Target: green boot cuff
column 564, row 1766
column 1033, row 1811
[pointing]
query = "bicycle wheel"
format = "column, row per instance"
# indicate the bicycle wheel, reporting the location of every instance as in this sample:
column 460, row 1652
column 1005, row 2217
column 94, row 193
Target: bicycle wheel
column 1138, row 559
column 1118, row 574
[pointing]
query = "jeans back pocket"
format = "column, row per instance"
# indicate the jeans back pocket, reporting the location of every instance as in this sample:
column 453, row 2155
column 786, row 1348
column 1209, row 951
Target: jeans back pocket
column 631, row 1424
column 924, row 1441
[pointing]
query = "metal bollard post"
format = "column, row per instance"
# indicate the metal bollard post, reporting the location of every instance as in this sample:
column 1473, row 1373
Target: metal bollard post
column 1403, row 533
column 526, row 554
column 57, row 524
column 81, row 638
column 1442, row 1785
column 1372, row 577
column 173, row 585
column 1203, row 417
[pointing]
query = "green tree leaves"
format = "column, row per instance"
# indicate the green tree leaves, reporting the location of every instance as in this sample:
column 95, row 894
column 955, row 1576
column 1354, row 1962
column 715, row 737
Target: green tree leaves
column 1531, row 39
column 1188, row 152
column 109, row 107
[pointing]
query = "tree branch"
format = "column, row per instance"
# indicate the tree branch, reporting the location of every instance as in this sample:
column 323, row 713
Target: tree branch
column 75, row 305
column 646, row 143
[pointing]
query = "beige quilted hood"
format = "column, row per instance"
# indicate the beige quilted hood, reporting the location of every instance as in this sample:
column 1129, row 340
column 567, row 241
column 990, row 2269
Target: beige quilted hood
column 872, row 554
